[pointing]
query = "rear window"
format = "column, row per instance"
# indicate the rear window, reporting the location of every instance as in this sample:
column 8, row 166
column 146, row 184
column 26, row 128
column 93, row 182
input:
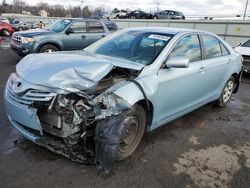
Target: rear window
column 111, row 26
column 94, row 27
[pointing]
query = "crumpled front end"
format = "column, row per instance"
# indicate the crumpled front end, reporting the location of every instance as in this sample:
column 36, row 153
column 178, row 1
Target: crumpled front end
column 63, row 121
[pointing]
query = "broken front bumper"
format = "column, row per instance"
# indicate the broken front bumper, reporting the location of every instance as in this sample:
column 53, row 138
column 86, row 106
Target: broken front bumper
column 22, row 117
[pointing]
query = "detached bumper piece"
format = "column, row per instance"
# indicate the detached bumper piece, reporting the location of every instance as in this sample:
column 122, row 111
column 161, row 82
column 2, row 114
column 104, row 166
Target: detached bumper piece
column 76, row 153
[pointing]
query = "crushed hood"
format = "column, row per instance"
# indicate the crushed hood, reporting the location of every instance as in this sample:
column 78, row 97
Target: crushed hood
column 72, row 71
column 243, row 50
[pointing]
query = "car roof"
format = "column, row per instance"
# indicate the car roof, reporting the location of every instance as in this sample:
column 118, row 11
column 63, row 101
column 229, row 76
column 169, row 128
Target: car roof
column 168, row 30
column 88, row 19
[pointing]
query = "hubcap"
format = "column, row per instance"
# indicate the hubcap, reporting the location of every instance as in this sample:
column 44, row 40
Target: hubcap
column 49, row 50
column 228, row 91
column 131, row 133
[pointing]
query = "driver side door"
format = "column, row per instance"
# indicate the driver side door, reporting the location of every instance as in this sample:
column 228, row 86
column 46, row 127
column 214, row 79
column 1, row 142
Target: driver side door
column 181, row 89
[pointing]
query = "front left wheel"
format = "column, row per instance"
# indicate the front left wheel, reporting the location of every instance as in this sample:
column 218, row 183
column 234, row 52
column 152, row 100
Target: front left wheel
column 134, row 126
column 48, row 48
column 117, row 137
column 5, row 32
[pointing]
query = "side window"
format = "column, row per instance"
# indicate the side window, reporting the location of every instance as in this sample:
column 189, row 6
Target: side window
column 188, row 46
column 211, row 46
column 165, row 12
column 171, row 13
column 79, row 27
column 94, row 27
column 224, row 50
column 111, row 26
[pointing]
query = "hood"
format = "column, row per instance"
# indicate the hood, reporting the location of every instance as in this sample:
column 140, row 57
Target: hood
column 72, row 71
column 243, row 50
column 34, row 32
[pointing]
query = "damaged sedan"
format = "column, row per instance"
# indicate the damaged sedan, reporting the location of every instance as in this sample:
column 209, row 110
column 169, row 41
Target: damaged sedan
column 93, row 106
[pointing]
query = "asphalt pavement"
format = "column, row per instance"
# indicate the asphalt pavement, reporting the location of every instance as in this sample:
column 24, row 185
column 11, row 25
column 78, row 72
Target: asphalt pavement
column 209, row 147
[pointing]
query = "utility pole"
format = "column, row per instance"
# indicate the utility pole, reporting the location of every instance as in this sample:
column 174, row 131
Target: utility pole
column 81, row 8
column 245, row 11
column 158, row 6
column 21, row 6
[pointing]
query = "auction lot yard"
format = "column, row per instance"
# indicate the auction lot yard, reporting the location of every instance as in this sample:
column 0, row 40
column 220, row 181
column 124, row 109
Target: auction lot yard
column 209, row 147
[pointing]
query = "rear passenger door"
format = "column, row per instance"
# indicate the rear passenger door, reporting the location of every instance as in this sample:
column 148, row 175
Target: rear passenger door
column 95, row 31
column 216, row 61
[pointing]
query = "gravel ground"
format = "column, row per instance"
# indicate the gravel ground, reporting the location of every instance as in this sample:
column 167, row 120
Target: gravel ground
column 209, row 147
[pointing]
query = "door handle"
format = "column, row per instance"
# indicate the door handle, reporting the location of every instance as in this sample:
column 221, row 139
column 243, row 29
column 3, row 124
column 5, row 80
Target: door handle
column 229, row 61
column 83, row 36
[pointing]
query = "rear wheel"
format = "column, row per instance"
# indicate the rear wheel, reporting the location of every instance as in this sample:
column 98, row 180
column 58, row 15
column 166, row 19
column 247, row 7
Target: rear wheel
column 155, row 17
column 227, row 92
column 48, row 48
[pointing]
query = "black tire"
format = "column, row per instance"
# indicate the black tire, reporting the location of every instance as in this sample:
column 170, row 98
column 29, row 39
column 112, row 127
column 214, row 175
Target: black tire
column 136, row 115
column 132, row 17
column 227, row 92
column 48, row 48
column 20, row 29
column 155, row 17
column 114, row 140
column 5, row 32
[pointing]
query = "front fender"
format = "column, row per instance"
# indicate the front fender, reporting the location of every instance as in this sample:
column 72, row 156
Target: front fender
column 130, row 92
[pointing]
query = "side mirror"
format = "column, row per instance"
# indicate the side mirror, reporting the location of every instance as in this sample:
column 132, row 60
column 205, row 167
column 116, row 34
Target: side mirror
column 69, row 30
column 177, row 62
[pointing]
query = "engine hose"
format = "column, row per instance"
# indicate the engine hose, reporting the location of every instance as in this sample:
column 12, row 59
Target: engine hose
column 142, row 90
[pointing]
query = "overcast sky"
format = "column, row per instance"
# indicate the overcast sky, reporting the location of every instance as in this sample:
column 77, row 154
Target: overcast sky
column 188, row 7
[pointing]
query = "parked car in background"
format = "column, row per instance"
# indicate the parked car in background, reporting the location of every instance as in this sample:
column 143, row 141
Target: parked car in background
column 138, row 14
column 6, row 29
column 36, row 24
column 3, row 19
column 116, row 14
column 19, row 25
column 169, row 14
column 99, row 15
column 244, row 50
column 64, row 34
column 94, row 105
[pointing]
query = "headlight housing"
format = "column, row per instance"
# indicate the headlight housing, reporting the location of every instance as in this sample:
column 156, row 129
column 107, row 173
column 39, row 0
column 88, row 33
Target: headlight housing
column 26, row 40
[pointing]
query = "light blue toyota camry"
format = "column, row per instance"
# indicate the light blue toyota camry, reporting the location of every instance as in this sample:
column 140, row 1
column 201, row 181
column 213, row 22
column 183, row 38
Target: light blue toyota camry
column 94, row 105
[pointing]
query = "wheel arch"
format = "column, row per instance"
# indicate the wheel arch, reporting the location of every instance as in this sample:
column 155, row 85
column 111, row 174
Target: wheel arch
column 148, row 110
column 49, row 43
column 237, row 81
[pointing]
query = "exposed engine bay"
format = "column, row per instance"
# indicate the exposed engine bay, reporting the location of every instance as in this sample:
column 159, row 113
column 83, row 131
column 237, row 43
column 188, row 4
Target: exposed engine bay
column 69, row 120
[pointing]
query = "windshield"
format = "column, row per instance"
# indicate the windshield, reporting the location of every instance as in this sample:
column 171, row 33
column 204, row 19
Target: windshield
column 138, row 46
column 59, row 25
column 246, row 44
